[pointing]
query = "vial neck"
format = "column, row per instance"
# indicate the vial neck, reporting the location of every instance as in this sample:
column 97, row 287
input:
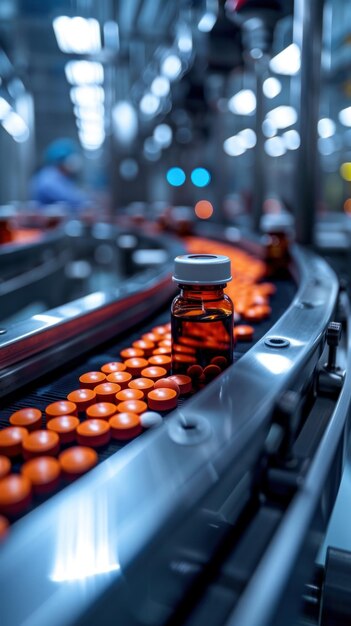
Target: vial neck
column 202, row 292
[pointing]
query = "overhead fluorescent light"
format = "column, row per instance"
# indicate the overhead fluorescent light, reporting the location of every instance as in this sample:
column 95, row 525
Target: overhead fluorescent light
column 171, row 66
column 87, row 95
column 243, row 102
column 234, row 146
column 207, row 22
column 271, row 87
column 5, row 108
column 77, row 34
column 16, row 126
column 345, row 116
column 84, row 72
column 287, row 62
column 149, row 104
column 326, row 127
column 275, row 147
column 160, row 86
column 282, row 116
column 124, row 121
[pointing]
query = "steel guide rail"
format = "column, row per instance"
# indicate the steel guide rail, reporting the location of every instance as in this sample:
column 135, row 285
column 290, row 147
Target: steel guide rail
column 64, row 555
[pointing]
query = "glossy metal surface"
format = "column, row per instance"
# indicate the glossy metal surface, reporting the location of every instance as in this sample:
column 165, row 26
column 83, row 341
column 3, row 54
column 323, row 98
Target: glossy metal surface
column 62, row 556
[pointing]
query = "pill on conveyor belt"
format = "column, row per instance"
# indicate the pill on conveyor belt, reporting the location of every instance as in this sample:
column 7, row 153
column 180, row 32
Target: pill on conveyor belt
column 29, row 418
column 129, row 394
column 162, row 399
column 195, row 371
column 5, row 466
column 135, row 365
column 65, row 426
column 144, row 384
column 162, row 360
column 15, row 494
column 77, row 461
column 11, row 439
column 82, row 398
column 102, row 410
column 129, row 353
column 211, row 371
column 167, row 383
column 113, row 366
column 162, row 350
column 62, row 407
column 150, row 419
column 150, row 337
column 94, row 433
column 154, row 372
column 89, row 380
column 221, row 361
column 144, row 345
column 43, row 472
column 39, row 443
column 106, row 392
column 132, row 406
column 243, row 332
column 121, row 378
column 125, row 425
column 183, row 381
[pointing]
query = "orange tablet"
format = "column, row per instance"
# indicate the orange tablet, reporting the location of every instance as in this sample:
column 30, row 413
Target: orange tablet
column 77, row 461
column 135, row 365
column 162, row 399
column 121, row 378
column 183, row 381
column 167, row 383
column 154, row 372
column 11, row 439
column 163, row 360
column 43, row 472
column 125, row 425
column 132, row 406
column 101, row 410
column 129, row 353
column 106, row 392
column 94, row 432
column 144, row 345
column 89, row 380
column 82, row 398
column 144, row 384
column 62, row 407
column 39, row 443
column 29, row 418
column 113, row 366
column 15, row 494
column 129, row 394
column 65, row 426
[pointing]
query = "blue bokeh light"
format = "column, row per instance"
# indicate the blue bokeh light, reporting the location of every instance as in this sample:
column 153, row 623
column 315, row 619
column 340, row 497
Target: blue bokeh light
column 176, row 176
column 200, row 177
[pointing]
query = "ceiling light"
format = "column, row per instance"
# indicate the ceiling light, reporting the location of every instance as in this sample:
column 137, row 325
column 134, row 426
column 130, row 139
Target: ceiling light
column 149, row 104
column 326, row 127
column 291, row 139
column 171, row 66
column 185, row 39
column 268, row 128
column 287, row 62
column 124, row 121
column 5, row 108
column 271, row 87
column 282, row 116
column 16, row 126
column 77, row 34
column 234, row 146
column 84, row 72
column 207, row 22
column 87, row 95
column 163, row 135
column 345, row 116
column 160, row 86
column 248, row 136
column 275, row 147
column 243, row 102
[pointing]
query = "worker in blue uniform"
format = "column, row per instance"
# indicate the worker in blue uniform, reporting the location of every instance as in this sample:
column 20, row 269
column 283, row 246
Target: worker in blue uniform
column 56, row 181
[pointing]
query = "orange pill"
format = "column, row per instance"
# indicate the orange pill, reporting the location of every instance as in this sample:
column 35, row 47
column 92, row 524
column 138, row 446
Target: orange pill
column 125, row 425
column 194, row 371
column 162, row 399
column 29, row 418
column 89, row 380
column 167, row 383
column 11, row 439
column 159, row 330
column 161, row 359
column 129, row 353
column 15, row 494
column 150, row 337
column 132, row 406
column 165, row 343
column 183, row 381
column 129, row 394
column 102, row 410
column 266, row 289
column 144, row 384
column 221, row 361
column 183, row 349
column 5, row 466
column 243, row 332
column 4, row 527
column 113, row 366
column 106, row 392
column 41, row 442
column 154, row 372
column 82, row 398
column 62, row 407
column 146, row 346
column 77, row 461
column 65, row 426
column 211, row 371
column 121, row 378
column 135, row 365
column 94, row 432
column 185, row 359
column 43, row 472
column 162, row 350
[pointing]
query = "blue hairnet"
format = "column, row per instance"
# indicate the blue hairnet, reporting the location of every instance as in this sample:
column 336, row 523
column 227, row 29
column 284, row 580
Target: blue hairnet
column 59, row 150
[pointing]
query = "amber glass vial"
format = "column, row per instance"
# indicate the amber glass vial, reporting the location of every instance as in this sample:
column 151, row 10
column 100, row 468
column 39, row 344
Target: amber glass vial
column 202, row 316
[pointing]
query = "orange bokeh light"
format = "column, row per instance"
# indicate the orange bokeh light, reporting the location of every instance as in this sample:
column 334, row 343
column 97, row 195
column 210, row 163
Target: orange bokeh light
column 347, row 206
column 203, row 209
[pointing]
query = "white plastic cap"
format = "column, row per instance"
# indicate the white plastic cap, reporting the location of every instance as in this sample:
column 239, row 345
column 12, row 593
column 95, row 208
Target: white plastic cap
column 202, row 269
